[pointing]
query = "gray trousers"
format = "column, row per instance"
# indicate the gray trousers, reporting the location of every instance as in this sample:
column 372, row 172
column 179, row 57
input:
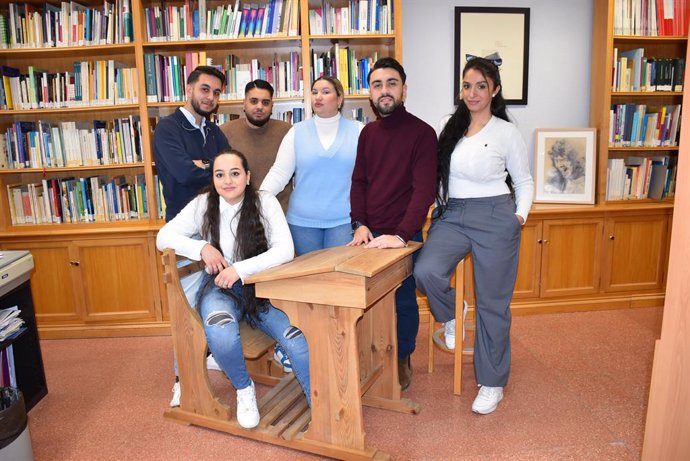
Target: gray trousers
column 488, row 229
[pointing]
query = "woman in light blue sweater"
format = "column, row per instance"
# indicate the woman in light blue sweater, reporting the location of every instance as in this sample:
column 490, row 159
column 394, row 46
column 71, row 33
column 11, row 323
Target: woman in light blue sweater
column 320, row 152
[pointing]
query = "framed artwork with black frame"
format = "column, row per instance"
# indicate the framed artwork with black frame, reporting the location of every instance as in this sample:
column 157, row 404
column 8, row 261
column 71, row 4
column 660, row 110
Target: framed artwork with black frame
column 499, row 33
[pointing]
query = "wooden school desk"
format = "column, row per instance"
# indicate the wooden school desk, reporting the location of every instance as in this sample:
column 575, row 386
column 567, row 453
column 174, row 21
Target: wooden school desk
column 343, row 300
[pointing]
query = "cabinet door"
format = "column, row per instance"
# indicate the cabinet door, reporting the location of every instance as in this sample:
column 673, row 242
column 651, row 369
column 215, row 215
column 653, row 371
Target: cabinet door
column 635, row 253
column 529, row 267
column 118, row 279
column 52, row 287
column 570, row 256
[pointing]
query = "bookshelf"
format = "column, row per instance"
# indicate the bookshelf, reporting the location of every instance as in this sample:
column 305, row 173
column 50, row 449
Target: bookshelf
column 636, row 75
column 98, row 273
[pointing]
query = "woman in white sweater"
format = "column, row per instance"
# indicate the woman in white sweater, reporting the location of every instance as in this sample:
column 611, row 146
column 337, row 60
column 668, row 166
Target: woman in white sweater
column 237, row 232
column 321, row 153
column 476, row 214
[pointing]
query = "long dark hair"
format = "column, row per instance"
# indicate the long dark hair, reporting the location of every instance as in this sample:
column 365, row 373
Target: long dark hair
column 459, row 122
column 250, row 239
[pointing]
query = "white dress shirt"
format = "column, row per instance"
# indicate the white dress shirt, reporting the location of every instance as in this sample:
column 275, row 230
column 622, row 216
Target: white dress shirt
column 183, row 231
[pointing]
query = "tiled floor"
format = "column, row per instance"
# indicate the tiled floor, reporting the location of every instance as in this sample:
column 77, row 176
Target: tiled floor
column 578, row 391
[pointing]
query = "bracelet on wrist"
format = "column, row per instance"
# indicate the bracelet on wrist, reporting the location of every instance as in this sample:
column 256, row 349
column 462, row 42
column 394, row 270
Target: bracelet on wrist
column 402, row 240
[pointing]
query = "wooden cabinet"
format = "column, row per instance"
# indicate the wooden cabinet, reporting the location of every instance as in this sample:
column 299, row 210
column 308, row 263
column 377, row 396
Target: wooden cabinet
column 529, row 267
column 559, row 257
column 591, row 257
column 91, row 285
column 635, row 250
column 570, row 256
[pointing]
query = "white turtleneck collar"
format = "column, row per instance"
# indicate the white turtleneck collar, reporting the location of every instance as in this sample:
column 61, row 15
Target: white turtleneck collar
column 327, row 128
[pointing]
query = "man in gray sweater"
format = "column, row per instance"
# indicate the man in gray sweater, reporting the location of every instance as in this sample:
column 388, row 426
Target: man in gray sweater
column 258, row 136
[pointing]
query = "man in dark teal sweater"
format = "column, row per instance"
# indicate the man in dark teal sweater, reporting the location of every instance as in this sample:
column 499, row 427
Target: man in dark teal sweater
column 184, row 146
column 186, row 142
column 393, row 185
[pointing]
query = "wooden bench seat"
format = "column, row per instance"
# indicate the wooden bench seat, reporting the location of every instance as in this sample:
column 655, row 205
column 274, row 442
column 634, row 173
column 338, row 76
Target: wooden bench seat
column 256, row 345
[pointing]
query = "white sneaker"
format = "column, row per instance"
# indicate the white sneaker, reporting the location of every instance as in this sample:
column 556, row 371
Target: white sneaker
column 177, row 393
column 487, row 400
column 449, row 334
column 211, row 363
column 449, row 329
column 247, row 411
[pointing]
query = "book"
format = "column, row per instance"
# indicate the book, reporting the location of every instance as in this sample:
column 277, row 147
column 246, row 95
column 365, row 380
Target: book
column 657, row 182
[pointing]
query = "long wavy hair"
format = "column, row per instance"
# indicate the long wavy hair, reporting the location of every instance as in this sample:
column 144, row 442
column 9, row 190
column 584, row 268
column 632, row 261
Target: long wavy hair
column 250, row 239
column 459, row 122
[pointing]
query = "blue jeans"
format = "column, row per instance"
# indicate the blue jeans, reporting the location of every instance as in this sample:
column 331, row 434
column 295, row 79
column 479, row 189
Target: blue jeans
column 406, row 308
column 308, row 239
column 221, row 316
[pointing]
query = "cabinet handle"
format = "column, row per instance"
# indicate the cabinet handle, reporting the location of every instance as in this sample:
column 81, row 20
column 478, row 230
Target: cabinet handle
column 74, row 263
column 612, row 237
column 540, row 241
column 546, row 242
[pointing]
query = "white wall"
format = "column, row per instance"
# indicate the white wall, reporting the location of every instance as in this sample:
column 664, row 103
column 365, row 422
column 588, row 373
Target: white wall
column 559, row 61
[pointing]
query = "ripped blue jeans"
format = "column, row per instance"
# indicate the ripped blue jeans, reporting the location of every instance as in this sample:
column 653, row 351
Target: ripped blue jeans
column 221, row 315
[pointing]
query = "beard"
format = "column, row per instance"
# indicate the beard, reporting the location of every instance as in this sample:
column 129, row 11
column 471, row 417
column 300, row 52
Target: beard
column 256, row 121
column 388, row 109
column 197, row 108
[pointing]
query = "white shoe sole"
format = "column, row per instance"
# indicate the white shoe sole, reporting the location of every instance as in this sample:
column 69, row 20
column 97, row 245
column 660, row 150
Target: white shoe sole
column 211, row 364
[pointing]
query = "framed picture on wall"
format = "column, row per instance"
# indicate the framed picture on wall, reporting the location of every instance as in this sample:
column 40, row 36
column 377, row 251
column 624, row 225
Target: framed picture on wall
column 501, row 34
column 564, row 169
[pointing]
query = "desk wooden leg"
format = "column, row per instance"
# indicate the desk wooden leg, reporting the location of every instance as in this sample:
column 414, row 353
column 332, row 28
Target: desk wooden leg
column 336, row 410
column 385, row 391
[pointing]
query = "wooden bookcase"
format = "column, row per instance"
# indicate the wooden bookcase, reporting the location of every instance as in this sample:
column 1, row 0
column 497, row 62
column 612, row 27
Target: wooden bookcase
column 605, row 42
column 103, row 279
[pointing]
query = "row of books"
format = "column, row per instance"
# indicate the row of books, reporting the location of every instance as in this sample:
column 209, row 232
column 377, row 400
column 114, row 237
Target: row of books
column 94, row 83
column 184, row 22
column 651, row 17
column 166, row 75
column 359, row 115
column 50, row 145
column 636, row 178
column 27, row 25
column 290, row 115
column 342, row 63
column 638, row 125
column 284, row 73
column 359, row 16
column 78, row 200
column 632, row 71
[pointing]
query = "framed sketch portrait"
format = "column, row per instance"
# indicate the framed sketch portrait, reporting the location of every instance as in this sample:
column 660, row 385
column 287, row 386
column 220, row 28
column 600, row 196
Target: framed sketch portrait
column 498, row 34
column 564, row 165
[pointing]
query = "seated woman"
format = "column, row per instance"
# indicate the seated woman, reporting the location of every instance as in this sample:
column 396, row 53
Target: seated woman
column 242, row 232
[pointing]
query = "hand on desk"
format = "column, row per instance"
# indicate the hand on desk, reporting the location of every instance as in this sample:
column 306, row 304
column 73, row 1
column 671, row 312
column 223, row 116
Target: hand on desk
column 386, row 241
column 361, row 235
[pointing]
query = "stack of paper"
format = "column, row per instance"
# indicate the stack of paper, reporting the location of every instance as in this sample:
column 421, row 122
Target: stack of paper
column 10, row 322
